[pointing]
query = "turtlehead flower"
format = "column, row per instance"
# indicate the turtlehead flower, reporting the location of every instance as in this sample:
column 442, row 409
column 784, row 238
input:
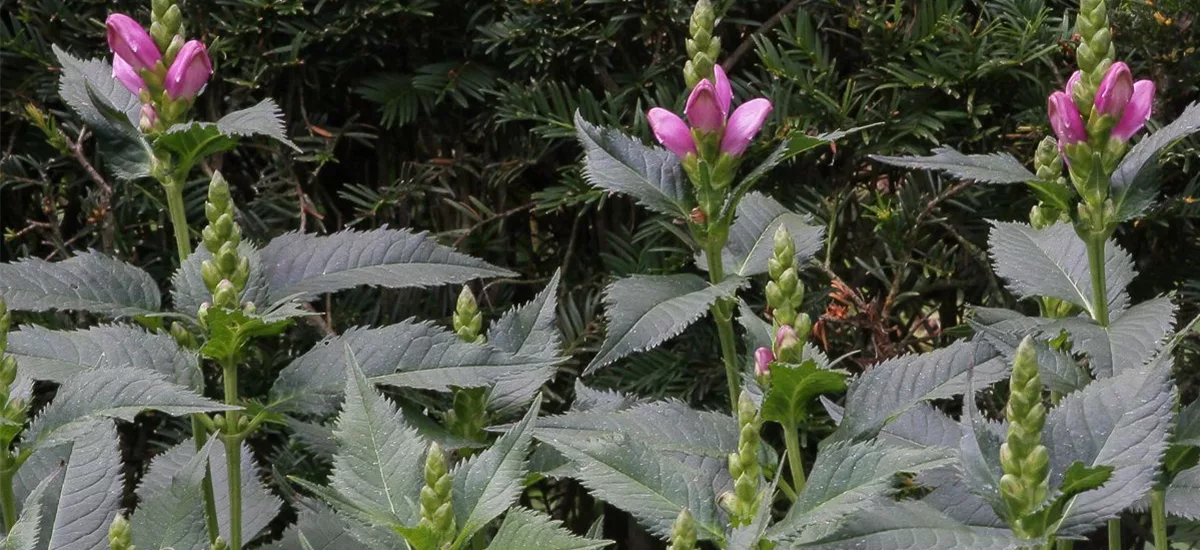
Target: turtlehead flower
column 762, row 361
column 1115, row 91
column 1065, row 119
column 671, row 131
column 1136, row 112
column 703, row 109
column 189, row 73
column 744, row 124
column 129, row 41
column 708, row 111
column 1076, row 77
column 127, row 76
column 149, row 118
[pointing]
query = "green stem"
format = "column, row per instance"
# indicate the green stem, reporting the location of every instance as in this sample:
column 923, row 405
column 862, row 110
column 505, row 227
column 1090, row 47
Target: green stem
column 795, row 461
column 1114, row 534
column 233, row 454
column 1158, row 518
column 1095, row 252
column 1066, row 545
column 8, row 500
column 174, row 187
column 200, row 437
column 722, row 313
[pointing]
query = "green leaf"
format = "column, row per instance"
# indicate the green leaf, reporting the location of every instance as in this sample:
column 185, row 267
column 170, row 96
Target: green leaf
column 379, row 461
column 794, row 387
column 230, row 329
column 751, row 238
column 665, row 426
column 427, row 357
column 896, row 385
column 1053, row 262
column 909, row 525
column 58, row 356
column 649, row 485
column 989, row 168
column 1128, row 342
column 1081, row 477
column 645, row 311
column 89, row 281
column 193, row 141
column 1146, row 151
column 77, row 509
column 650, row 175
column 1059, row 371
column 307, row 265
column 530, row 330
column 173, row 517
column 599, row 400
column 487, row 484
column 1183, row 494
column 188, row 290
column 523, row 528
column 119, row 393
column 25, row 534
column 320, row 529
column 1187, row 428
column 1119, row 422
column 259, row 506
column 848, row 477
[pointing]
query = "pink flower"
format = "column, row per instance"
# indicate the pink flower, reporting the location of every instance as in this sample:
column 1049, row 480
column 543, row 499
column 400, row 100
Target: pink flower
column 671, row 131
column 744, row 124
column 704, row 109
column 724, row 90
column 1065, row 119
column 128, row 77
column 149, row 118
column 190, row 71
column 131, row 42
column 1115, row 91
column 762, row 361
column 1137, row 112
column 1073, row 81
column 785, row 336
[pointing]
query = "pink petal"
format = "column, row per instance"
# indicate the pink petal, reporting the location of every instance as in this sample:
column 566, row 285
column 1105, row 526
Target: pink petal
column 131, row 42
column 671, row 131
column 1137, row 112
column 762, row 361
column 702, row 108
column 1065, row 119
column 724, row 90
column 1073, row 81
column 128, row 77
column 190, row 72
column 1114, row 91
column 744, row 124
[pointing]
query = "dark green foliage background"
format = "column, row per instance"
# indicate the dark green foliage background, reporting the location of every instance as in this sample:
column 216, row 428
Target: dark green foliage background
column 455, row 117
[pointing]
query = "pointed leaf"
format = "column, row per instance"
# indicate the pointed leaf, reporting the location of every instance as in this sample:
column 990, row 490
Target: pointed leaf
column 668, row 426
column 25, row 534
column 530, row 329
column 1059, row 371
column 616, row 162
column 173, row 517
column 307, row 265
column 196, row 140
column 645, row 311
column 320, row 529
column 911, row 526
column 524, row 528
column 1080, row 478
column 58, row 356
column 1128, row 342
column 1147, row 150
column 751, row 238
column 989, row 168
column 108, row 108
column 89, row 281
column 1183, row 494
column 794, row 387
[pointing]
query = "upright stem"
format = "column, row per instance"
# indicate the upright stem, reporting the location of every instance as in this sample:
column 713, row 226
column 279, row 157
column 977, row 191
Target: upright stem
column 1158, row 518
column 233, row 454
column 791, row 438
column 8, row 500
column 183, row 245
column 1095, row 252
column 1066, row 545
column 1114, row 534
column 722, row 312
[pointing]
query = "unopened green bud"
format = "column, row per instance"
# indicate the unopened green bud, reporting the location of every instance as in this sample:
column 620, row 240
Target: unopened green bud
column 468, row 320
column 210, row 274
column 202, row 313
column 161, row 34
column 437, row 508
column 1048, row 160
column 683, row 532
column 241, row 275
column 159, row 7
column 183, row 336
column 803, row 328
column 219, row 423
column 220, row 544
column 120, row 534
column 225, row 296
column 743, row 464
column 172, row 18
column 702, row 47
column 227, row 257
column 8, row 371
column 1023, row 458
column 219, row 197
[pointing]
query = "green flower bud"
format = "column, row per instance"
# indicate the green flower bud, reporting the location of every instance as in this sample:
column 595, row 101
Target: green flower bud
column 225, row 295
column 437, row 507
column 1023, row 458
column 743, row 464
column 683, row 532
column 159, row 7
column 1048, row 161
column 8, row 372
column 210, row 274
column 468, row 320
column 702, row 47
column 183, row 336
column 1095, row 53
column 15, row 411
column 120, row 534
column 220, row 544
column 161, row 34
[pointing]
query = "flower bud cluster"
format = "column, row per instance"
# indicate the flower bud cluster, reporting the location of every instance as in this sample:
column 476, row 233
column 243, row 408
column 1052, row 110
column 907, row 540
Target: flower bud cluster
column 742, row 502
column 1023, row 458
column 702, row 47
column 226, row 272
column 683, row 532
column 437, row 506
column 14, row 410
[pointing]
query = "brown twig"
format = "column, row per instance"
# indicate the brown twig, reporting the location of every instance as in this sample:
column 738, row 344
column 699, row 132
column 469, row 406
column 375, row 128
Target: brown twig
column 108, row 228
column 732, row 60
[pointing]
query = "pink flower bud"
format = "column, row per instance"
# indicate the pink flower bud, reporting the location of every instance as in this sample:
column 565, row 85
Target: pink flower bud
column 744, row 124
column 128, row 77
column 671, row 131
column 131, row 42
column 1073, row 81
column 724, row 91
column 703, row 110
column 785, row 336
column 1137, row 112
column 149, row 118
column 1065, row 119
column 762, row 361
column 1115, row 90
column 190, row 71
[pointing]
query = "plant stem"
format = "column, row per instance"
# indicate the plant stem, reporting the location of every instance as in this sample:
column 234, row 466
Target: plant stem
column 1114, row 534
column 1066, row 545
column 795, row 461
column 200, row 436
column 1095, row 252
column 723, row 315
column 8, row 500
column 174, row 187
column 1158, row 518
column 233, row 454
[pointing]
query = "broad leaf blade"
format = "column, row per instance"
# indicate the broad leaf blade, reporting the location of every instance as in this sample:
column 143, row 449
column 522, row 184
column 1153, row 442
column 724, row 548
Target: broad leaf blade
column 645, row 311
column 751, row 238
column 794, row 387
column 89, row 281
column 665, row 426
column 320, row 529
column 1146, row 150
column 25, row 534
column 530, row 329
column 619, row 163
column 989, row 168
column 1059, row 371
column 524, row 528
column 58, row 356
column 308, row 265
column 1132, row 339
column 173, row 517
column 1183, row 494
column 911, row 526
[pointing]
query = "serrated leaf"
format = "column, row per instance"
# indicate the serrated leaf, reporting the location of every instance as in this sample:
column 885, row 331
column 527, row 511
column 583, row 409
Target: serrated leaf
column 25, row 534
column 599, row 400
column 1059, row 371
column 193, row 141
column 979, row 455
column 1187, row 427
column 989, row 168
column 89, row 281
column 920, row 426
column 645, row 311
column 794, row 387
column 618, row 163
column 524, row 528
column 119, row 393
column 78, row 508
column 307, row 265
column 1053, row 262
column 847, row 477
column 427, row 357
column 1081, row 477
column 896, row 385
column 1133, row 337
column 320, row 529
column 649, row 485
column 665, row 426
column 58, row 356
column 531, row 330
column 173, row 517
column 751, row 237
column 188, row 290
column 259, row 506
column 488, row 483
column 908, row 525
column 1120, row 422
column 229, row 330
column 1183, row 494
column 1147, row 150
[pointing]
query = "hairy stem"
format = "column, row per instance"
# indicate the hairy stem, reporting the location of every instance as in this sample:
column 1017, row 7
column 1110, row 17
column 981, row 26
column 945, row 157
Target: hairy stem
column 795, row 461
column 1066, row 545
column 1158, row 518
column 233, row 454
column 8, row 500
column 722, row 312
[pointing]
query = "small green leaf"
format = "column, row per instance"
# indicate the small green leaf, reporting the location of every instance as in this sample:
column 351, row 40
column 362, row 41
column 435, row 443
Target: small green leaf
column 230, row 329
column 751, row 236
column 174, row 516
column 1081, row 477
column 794, row 387
column 193, row 141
